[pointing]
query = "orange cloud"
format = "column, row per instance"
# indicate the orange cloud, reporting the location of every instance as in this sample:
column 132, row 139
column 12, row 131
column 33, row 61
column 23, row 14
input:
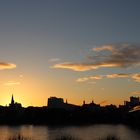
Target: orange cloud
column 121, row 55
column 136, row 93
column 117, row 75
column 136, row 77
column 11, row 83
column 85, row 66
column 104, row 47
column 75, row 66
column 82, row 79
column 4, row 65
column 95, row 77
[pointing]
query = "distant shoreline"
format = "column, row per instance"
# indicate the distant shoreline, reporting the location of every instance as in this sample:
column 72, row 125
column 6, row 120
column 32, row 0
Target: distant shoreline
column 78, row 116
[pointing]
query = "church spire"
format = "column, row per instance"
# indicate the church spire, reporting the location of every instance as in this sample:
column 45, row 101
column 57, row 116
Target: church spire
column 12, row 100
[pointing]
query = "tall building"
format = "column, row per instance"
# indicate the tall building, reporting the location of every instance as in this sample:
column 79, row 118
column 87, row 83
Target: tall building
column 134, row 101
column 54, row 102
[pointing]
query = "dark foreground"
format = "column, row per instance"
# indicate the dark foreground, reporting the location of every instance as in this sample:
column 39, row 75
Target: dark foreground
column 78, row 116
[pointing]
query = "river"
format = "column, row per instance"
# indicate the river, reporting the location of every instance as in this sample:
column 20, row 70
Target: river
column 90, row 132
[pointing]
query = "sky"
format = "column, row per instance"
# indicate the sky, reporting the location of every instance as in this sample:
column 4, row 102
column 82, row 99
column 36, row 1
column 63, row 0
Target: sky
column 74, row 49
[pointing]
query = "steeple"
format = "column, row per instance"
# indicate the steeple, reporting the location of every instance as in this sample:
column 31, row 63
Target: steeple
column 13, row 104
column 12, row 100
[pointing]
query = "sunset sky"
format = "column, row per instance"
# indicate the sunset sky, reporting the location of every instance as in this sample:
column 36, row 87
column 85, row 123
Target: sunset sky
column 74, row 49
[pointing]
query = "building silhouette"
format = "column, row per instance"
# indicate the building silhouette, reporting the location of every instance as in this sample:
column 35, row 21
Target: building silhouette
column 60, row 111
column 14, row 105
column 134, row 101
column 54, row 102
column 91, row 105
column 58, row 103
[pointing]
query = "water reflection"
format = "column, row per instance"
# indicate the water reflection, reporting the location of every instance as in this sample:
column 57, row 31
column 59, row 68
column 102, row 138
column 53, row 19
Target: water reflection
column 93, row 132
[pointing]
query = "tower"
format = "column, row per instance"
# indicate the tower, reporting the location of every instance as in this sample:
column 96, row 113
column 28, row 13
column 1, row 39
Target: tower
column 12, row 100
column 14, row 105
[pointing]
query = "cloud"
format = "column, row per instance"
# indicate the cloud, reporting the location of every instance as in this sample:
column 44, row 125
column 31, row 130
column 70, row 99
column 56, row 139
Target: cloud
column 83, row 79
column 104, row 47
column 112, row 55
column 121, row 55
column 95, row 77
column 135, row 77
column 11, row 83
column 75, row 66
column 118, row 75
column 82, row 66
column 136, row 93
column 4, row 65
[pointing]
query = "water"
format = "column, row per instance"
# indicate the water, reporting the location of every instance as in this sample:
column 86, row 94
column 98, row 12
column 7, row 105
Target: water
column 93, row 132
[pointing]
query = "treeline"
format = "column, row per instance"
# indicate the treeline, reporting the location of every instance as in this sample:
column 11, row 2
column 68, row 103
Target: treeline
column 59, row 116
